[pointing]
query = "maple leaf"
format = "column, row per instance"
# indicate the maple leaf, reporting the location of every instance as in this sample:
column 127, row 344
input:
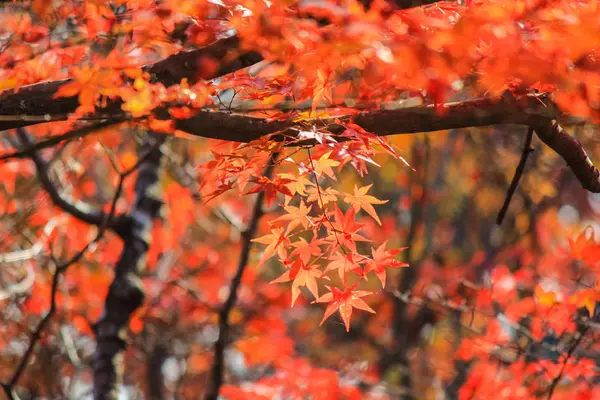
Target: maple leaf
column 382, row 260
column 299, row 183
column 323, row 166
column 360, row 199
column 222, row 188
column 271, row 187
column 322, row 89
column 322, row 196
column 137, row 102
column 296, row 216
column 274, row 242
column 545, row 298
column 306, row 250
column 343, row 263
column 586, row 298
column 302, row 275
column 343, row 229
column 585, row 248
column 344, row 301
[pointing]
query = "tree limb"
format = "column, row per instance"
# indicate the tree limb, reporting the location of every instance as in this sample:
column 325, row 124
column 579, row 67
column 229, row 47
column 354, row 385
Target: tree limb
column 77, row 209
column 38, row 99
column 29, row 150
column 530, row 110
column 534, row 110
column 523, row 110
column 571, row 150
column 216, row 381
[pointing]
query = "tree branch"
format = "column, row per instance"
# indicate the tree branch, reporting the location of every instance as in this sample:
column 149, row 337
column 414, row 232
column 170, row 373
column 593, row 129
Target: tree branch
column 218, row 361
column 29, row 150
column 125, row 294
column 571, row 150
column 61, row 268
column 77, row 209
column 534, row 110
column 530, row 110
column 37, row 100
column 485, row 111
column 154, row 374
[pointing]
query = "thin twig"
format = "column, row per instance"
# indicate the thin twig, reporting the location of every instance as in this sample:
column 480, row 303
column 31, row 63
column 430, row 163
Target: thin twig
column 224, row 327
column 518, row 172
column 58, row 139
column 76, row 208
column 570, row 352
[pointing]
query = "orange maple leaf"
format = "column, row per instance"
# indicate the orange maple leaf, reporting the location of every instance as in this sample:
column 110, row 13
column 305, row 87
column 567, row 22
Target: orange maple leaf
column 382, row 260
column 585, row 248
column 344, row 229
column 271, row 187
column 343, row 301
column 306, row 250
column 360, row 199
column 274, row 242
column 302, row 275
column 586, row 298
column 323, row 166
column 296, row 216
column 343, row 263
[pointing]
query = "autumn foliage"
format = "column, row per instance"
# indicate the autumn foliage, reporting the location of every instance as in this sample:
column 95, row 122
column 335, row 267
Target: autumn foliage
column 255, row 199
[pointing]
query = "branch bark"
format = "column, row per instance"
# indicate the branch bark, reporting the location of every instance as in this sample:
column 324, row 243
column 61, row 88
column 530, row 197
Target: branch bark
column 20, row 107
column 125, row 294
column 571, row 150
column 535, row 110
column 154, row 374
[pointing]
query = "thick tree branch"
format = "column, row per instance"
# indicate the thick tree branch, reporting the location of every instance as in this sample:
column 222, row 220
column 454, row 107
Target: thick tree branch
column 218, row 366
column 125, row 294
column 529, row 110
column 523, row 110
column 534, row 110
column 569, row 148
column 20, row 107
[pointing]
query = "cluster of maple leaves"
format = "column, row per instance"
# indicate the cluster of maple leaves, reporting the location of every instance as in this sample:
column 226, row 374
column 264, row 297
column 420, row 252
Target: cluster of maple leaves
column 314, row 236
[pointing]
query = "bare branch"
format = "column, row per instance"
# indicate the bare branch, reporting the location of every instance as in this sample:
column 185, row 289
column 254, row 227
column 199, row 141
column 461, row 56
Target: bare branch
column 28, row 150
column 566, row 360
column 60, row 269
column 76, row 208
column 518, row 172
column 247, row 235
